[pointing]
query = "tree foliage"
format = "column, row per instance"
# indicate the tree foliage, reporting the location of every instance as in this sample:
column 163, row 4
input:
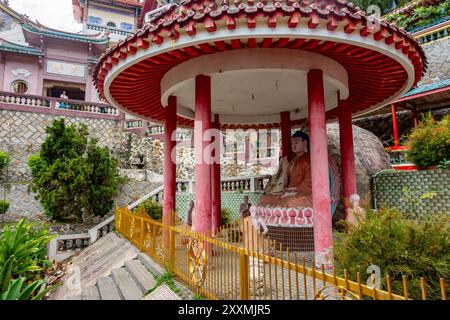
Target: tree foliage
column 4, row 159
column 153, row 209
column 72, row 176
column 429, row 142
column 384, row 5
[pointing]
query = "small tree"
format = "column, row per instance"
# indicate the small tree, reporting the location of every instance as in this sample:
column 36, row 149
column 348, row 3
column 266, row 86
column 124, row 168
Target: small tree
column 72, row 176
column 4, row 161
column 429, row 142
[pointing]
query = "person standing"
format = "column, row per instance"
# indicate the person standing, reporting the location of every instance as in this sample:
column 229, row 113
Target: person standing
column 62, row 104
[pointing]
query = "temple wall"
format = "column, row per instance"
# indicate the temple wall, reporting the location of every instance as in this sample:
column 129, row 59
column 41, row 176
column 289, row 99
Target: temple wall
column 14, row 63
column 392, row 189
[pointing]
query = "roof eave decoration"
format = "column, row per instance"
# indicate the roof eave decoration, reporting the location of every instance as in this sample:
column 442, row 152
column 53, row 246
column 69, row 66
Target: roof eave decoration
column 17, row 48
column 203, row 15
column 35, row 29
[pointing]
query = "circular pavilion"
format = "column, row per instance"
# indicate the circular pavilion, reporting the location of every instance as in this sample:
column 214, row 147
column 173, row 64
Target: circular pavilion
column 260, row 64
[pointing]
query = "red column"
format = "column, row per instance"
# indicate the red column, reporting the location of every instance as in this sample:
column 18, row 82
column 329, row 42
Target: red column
column 202, row 190
column 169, row 166
column 415, row 117
column 323, row 233
column 247, row 149
column 286, row 134
column 347, row 152
column 394, row 125
column 215, row 181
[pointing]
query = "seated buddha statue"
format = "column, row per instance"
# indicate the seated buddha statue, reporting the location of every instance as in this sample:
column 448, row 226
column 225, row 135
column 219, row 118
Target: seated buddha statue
column 291, row 185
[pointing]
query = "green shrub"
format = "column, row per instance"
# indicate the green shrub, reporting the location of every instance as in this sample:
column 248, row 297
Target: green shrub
column 4, row 206
column 414, row 248
column 72, row 176
column 18, row 289
column 429, row 143
column 226, row 216
column 420, row 16
column 154, row 209
column 4, row 159
column 27, row 242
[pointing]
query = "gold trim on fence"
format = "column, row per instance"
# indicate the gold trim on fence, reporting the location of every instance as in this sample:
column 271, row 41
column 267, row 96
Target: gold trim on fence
column 197, row 262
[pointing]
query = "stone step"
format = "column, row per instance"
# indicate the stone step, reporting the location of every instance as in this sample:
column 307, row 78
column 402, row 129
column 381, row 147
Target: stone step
column 90, row 293
column 107, row 289
column 150, row 264
column 126, row 285
column 141, row 275
column 74, row 297
column 163, row 292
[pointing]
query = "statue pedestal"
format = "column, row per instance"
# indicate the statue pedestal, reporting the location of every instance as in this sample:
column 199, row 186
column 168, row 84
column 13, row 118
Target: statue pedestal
column 292, row 227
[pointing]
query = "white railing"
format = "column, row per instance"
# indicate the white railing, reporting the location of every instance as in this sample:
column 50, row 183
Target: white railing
column 48, row 104
column 109, row 29
column 65, row 246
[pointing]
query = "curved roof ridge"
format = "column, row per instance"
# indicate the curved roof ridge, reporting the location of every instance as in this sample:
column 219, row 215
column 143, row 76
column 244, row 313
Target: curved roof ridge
column 40, row 29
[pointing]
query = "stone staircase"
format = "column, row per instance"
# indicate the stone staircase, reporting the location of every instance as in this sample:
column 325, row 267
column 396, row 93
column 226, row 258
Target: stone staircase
column 111, row 269
column 130, row 282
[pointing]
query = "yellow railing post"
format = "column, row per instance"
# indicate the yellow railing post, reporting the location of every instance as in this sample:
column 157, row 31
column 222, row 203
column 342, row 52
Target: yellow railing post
column 243, row 274
column 171, row 258
column 142, row 235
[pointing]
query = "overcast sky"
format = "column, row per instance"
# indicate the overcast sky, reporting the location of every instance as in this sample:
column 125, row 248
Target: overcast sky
column 52, row 13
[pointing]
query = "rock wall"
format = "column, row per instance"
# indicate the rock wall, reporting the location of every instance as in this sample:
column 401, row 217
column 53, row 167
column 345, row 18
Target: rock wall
column 22, row 133
column 438, row 61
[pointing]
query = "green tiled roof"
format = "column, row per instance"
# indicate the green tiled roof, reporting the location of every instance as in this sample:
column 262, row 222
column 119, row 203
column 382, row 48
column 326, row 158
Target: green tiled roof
column 64, row 35
column 428, row 87
column 13, row 47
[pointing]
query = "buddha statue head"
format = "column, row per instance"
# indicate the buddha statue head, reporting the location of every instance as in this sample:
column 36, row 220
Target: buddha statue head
column 300, row 143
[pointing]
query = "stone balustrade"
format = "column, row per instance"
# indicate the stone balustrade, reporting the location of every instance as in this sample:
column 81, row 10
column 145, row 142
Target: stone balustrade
column 109, row 29
column 433, row 35
column 55, row 106
column 25, row 100
column 65, row 246
column 130, row 124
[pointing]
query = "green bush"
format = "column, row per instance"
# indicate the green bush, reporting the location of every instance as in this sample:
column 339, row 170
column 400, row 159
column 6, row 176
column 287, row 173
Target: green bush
column 27, row 242
column 19, row 289
column 4, row 206
column 226, row 216
column 154, row 209
column 420, row 16
column 72, row 176
column 414, row 248
column 4, row 159
column 429, row 142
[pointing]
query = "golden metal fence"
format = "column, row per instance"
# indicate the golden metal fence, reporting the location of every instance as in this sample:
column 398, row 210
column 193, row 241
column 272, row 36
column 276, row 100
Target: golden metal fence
column 226, row 265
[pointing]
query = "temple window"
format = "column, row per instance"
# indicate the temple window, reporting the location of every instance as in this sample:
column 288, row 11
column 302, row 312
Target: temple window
column 111, row 24
column 19, row 87
column 94, row 20
column 126, row 26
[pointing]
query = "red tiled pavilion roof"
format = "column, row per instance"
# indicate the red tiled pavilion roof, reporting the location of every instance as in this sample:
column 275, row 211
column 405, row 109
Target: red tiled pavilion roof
column 373, row 76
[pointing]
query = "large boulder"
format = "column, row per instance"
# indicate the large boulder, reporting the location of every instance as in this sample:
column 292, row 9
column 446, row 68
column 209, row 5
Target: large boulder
column 370, row 158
